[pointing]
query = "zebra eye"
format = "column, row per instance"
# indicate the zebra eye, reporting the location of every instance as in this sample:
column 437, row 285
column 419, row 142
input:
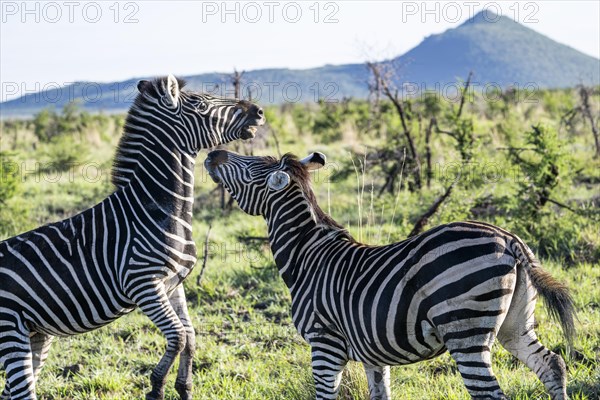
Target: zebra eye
column 201, row 106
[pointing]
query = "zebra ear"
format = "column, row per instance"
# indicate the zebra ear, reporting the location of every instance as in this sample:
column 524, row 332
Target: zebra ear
column 278, row 180
column 172, row 96
column 142, row 86
column 314, row 161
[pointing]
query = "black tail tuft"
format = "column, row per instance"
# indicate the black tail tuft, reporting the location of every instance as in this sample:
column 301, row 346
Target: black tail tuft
column 557, row 297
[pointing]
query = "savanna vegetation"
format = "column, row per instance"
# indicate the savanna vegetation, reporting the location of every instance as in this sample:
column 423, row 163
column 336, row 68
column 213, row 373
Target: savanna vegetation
column 526, row 161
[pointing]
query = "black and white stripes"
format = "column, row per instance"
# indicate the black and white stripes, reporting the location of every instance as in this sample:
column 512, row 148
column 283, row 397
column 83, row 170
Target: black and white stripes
column 131, row 250
column 456, row 287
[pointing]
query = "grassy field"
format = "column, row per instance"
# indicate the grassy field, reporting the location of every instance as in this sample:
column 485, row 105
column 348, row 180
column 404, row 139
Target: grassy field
column 247, row 346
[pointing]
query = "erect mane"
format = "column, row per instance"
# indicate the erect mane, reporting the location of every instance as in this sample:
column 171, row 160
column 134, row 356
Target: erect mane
column 123, row 159
column 301, row 175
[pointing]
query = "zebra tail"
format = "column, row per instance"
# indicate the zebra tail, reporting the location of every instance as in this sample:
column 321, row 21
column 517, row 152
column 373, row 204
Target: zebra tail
column 556, row 295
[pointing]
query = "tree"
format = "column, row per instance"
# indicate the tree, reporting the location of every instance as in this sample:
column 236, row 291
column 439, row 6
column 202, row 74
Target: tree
column 383, row 76
column 45, row 125
column 586, row 110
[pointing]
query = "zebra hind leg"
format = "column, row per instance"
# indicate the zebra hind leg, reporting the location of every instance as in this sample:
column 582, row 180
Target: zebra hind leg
column 379, row 382
column 473, row 357
column 157, row 307
column 518, row 337
column 183, row 383
column 548, row 366
column 40, row 346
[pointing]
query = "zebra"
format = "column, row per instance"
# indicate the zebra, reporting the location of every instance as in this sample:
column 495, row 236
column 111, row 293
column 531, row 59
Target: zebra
column 456, row 287
column 131, row 250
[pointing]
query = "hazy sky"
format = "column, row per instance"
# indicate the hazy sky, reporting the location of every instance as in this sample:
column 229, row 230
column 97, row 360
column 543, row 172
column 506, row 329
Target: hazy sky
column 46, row 43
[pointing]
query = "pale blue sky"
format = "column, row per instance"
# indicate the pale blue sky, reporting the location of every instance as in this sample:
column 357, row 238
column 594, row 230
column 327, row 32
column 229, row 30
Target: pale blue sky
column 189, row 37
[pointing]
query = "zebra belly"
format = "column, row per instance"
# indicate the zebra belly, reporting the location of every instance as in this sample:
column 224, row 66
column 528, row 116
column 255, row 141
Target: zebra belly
column 59, row 298
column 52, row 328
column 384, row 349
column 73, row 309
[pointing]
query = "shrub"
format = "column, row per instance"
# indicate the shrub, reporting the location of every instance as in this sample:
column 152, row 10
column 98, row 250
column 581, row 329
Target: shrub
column 9, row 177
column 63, row 153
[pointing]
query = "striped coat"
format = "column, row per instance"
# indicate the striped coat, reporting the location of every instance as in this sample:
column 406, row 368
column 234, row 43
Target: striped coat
column 456, row 287
column 131, row 250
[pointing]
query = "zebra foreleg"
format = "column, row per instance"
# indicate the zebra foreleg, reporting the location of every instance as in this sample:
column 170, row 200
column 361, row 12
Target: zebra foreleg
column 328, row 361
column 379, row 382
column 160, row 311
column 183, row 383
column 40, row 344
column 15, row 355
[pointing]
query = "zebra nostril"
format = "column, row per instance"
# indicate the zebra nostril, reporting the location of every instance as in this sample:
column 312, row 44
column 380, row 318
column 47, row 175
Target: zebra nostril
column 217, row 157
column 260, row 112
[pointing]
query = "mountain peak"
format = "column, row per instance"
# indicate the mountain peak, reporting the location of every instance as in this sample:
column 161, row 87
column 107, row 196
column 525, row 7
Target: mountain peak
column 498, row 50
column 486, row 16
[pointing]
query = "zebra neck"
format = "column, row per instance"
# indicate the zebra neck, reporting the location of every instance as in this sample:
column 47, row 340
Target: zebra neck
column 292, row 226
column 164, row 178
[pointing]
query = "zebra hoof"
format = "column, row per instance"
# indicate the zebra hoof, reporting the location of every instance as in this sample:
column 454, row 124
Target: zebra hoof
column 184, row 390
column 185, row 395
column 155, row 396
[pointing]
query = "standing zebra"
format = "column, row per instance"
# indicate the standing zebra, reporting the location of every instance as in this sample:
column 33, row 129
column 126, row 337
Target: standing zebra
column 131, row 250
column 456, row 287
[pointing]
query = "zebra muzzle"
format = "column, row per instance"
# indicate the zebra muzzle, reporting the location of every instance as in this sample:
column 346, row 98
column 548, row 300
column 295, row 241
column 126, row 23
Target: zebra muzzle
column 211, row 163
column 248, row 132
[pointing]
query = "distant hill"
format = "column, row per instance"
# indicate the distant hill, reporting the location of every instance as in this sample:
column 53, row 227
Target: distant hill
column 498, row 50
column 503, row 52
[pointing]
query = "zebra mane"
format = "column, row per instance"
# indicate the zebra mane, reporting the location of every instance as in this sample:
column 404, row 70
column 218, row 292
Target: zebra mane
column 125, row 160
column 301, row 175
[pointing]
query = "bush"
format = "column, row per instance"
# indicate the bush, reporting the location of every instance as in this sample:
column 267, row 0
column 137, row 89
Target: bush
column 62, row 154
column 9, row 177
column 45, row 125
column 48, row 124
column 547, row 223
column 13, row 216
column 543, row 163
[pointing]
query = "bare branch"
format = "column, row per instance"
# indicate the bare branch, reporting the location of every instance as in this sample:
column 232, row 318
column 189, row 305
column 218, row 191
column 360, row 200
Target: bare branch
column 428, row 132
column 584, row 93
column 236, row 80
column 385, row 82
column 422, row 221
column 464, row 95
column 204, row 256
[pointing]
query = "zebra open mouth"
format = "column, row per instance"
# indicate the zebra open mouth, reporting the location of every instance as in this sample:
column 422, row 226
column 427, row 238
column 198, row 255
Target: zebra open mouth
column 249, row 131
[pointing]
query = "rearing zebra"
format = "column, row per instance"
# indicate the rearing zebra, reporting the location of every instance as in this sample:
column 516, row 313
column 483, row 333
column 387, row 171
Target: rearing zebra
column 456, row 287
column 131, row 250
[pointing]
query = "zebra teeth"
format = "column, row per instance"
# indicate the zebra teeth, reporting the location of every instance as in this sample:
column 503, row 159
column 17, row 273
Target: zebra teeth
column 248, row 131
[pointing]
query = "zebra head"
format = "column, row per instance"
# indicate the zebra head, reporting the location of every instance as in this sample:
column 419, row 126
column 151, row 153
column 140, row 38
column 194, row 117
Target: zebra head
column 256, row 182
column 200, row 120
